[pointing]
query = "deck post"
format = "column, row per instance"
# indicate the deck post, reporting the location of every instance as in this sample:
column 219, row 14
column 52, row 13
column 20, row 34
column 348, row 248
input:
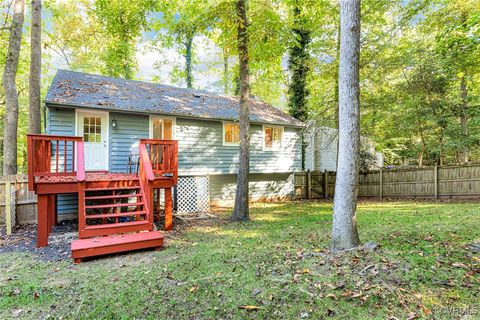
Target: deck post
column 42, row 225
column 150, row 195
column 156, row 211
column 52, row 214
column 325, row 184
column 380, row 184
column 309, row 184
column 168, row 208
column 8, row 204
column 81, row 210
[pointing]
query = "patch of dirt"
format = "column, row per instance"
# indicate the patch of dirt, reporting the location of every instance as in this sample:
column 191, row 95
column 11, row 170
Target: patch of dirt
column 24, row 237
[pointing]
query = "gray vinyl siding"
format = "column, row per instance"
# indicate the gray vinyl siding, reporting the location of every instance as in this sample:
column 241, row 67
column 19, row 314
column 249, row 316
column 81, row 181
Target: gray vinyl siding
column 125, row 137
column 201, row 150
column 262, row 186
column 62, row 122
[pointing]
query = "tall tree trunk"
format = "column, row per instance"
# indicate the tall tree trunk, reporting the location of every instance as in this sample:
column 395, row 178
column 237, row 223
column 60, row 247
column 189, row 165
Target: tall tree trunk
column 337, row 62
column 34, row 115
column 188, row 60
column 420, row 156
column 422, row 149
column 344, row 231
column 464, row 119
column 240, row 210
column 10, row 87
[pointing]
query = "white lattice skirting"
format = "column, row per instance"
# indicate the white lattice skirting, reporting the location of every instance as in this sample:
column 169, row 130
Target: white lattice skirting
column 193, row 194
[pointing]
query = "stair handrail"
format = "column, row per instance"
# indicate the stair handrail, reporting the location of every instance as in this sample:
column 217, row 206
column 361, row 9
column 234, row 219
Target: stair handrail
column 145, row 164
column 146, row 178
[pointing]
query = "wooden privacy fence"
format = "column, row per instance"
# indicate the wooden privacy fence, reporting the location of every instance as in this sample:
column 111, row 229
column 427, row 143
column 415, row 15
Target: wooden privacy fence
column 16, row 200
column 451, row 182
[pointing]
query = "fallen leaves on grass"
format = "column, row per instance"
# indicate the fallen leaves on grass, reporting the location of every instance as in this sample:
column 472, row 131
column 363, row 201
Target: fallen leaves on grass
column 17, row 312
column 249, row 308
column 194, row 288
column 412, row 315
column 331, row 296
column 15, row 292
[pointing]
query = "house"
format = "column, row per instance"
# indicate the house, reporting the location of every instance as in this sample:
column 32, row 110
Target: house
column 321, row 150
column 112, row 115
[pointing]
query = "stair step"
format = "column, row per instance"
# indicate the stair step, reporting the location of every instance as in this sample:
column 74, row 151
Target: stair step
column 115, row 215
column 83, row 248
column 116, row 225
column 116, row 196
column 114, row 205
column 112, row 189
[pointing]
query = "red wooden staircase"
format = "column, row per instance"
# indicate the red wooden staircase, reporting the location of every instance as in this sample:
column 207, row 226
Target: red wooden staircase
column 110, row 210
column 115, row 210
column 114, row 217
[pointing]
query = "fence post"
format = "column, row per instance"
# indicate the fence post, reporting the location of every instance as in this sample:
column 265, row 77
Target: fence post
column 381, row 183
column 325, row 184
column 8, row 208
column 435, row 181
column 309, row 184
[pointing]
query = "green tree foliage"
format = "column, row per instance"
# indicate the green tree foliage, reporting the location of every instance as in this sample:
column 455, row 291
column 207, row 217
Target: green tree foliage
column 415, row 56
column 122, row 21
column 76, row 35
column 419, row 67
column 178, row 26
column 299, row 66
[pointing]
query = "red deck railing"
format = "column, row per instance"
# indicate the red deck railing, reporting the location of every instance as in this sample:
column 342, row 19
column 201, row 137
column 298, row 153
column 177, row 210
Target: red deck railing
column 163, row 155
column 54, row 156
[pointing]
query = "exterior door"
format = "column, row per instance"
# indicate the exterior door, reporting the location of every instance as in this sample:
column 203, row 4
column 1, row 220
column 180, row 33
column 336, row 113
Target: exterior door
column 93, row 127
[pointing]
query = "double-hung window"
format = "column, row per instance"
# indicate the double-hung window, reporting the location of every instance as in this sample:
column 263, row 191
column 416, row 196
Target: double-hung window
column 231, row 133
column 272, row 137
column 161, row 128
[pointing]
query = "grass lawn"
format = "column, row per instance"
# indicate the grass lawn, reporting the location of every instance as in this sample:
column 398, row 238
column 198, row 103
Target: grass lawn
column 278, row 262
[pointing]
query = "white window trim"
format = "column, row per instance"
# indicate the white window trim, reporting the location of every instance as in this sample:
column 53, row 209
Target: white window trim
column 150, row 125
column 225, row 143
column 265, row 148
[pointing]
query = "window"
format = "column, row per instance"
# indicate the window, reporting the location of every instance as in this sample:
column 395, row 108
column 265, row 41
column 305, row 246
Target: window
column 161, row 128
column 272, row 137
column 92, row 129
column 231, row 133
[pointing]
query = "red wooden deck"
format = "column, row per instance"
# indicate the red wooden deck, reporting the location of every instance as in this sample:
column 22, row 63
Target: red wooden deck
column 108, row 203
column 89, row 176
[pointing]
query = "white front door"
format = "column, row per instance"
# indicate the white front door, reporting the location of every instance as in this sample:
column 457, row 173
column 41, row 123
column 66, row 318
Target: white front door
column 93, row 127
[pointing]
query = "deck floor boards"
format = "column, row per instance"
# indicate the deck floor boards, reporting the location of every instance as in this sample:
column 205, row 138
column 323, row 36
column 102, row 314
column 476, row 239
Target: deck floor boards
column 97, row 176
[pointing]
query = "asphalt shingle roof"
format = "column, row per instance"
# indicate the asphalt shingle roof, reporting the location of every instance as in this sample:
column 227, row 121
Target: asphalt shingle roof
column 100, row 92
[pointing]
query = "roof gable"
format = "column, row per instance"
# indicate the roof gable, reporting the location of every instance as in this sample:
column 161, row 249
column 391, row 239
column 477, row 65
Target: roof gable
column 100, row 92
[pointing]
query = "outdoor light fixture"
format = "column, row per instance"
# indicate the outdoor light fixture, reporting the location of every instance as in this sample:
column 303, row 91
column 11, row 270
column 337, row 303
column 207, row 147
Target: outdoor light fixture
column 114, row 123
